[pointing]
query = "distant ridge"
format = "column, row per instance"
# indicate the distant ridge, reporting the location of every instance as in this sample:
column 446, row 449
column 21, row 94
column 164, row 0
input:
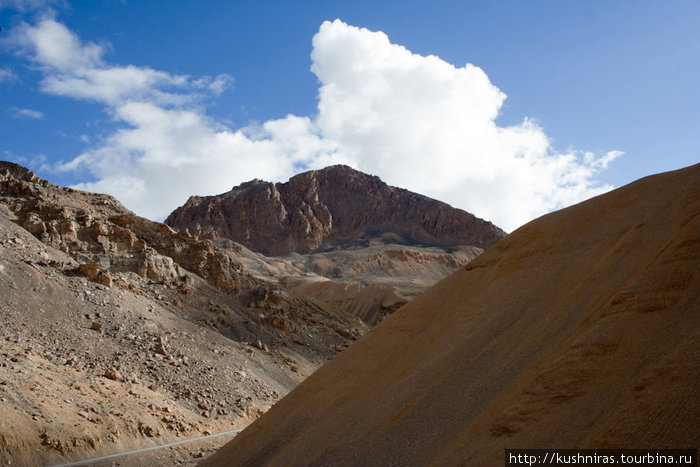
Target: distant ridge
column 321, row 209
column 580, row 329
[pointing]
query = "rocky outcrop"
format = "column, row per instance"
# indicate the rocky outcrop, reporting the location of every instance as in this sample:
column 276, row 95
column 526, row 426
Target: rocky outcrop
column 104, row 237
column 321, row 209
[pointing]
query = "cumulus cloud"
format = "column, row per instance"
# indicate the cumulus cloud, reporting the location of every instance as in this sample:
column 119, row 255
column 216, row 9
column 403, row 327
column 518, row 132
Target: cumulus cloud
column 28, row 114
column 426, row 125
column 418, row 122
column 166, row 155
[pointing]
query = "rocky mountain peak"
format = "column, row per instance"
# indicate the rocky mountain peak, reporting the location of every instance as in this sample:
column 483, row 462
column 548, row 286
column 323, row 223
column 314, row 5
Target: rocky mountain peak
column 323, row 209
column 97, row 230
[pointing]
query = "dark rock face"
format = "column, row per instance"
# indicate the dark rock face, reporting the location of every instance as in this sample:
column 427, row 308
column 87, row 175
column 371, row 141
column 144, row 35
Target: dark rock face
column 321, row 209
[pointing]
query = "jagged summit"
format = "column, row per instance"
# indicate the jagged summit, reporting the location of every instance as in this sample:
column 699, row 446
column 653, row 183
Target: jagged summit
column 322, row 209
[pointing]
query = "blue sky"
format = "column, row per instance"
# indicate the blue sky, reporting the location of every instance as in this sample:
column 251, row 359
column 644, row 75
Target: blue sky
column 152, row 101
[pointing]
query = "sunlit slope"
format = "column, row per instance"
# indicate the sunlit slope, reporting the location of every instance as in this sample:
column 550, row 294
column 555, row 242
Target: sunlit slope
column 580, row 329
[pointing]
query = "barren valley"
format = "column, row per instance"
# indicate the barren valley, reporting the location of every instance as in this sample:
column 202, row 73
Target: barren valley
column 119, row 333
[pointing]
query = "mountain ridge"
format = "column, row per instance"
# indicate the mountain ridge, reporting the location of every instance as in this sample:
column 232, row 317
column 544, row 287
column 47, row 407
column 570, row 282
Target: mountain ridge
column 331, row 207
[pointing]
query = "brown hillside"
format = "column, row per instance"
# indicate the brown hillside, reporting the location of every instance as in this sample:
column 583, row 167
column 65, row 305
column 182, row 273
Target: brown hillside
column 581, row 329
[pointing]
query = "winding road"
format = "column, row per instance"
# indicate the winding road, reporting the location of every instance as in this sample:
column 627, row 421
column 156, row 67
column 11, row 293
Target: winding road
column 152, row 448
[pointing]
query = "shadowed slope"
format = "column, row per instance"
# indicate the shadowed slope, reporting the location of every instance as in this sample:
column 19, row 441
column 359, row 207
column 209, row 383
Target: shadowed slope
column 580, row 329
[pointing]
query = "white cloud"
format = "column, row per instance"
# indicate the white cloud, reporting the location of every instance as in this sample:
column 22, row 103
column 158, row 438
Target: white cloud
column 28, row 114
column 426, row 125
column 417, row 122
column 166, row 155
column 77, row 69
column 7, row 75
column 38, row 162
column 24, row 6
column 601, row 162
